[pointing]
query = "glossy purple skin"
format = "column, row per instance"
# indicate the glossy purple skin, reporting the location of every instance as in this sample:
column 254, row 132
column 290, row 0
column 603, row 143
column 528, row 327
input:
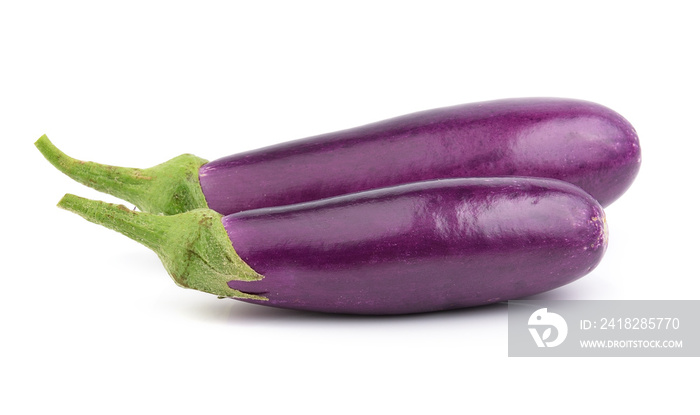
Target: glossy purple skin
column 576, row 141
column 420, row 247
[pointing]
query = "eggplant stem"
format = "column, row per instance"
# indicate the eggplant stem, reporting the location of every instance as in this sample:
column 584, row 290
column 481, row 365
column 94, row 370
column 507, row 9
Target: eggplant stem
column 168, row 188
column 193, row 246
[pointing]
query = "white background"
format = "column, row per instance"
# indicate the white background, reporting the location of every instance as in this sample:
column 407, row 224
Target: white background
column 90, row 321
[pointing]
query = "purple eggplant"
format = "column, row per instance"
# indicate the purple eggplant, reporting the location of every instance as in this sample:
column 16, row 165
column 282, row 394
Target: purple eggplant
column 576, row 141
column 425, row 246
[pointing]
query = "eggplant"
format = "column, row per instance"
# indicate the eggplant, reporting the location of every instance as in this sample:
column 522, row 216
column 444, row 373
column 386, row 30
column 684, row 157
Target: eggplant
column 419, row 247
column 576, row 141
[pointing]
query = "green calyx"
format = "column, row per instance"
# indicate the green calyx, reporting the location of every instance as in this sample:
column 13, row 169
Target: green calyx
column 193, row 246
column 168, row 188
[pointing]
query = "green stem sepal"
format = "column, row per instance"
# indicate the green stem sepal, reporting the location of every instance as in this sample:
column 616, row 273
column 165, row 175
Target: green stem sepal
column 168, row 188
column 193, row 246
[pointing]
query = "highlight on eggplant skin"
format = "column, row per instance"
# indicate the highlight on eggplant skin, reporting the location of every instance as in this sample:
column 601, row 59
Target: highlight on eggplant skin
column 576, row 141
column 421, row 247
